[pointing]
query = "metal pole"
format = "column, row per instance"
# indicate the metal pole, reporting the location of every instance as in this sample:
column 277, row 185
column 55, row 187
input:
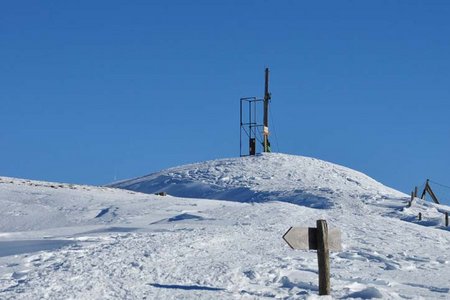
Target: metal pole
column 249, row 127
column 266, row 99
column 266, row 111
column 240, row 129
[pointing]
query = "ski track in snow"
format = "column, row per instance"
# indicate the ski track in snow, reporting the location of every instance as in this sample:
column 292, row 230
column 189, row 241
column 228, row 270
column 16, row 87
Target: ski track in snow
column 61, row 241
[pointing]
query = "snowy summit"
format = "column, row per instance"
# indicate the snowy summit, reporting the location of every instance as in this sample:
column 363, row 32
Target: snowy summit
column 267, row 177
column 218, row 234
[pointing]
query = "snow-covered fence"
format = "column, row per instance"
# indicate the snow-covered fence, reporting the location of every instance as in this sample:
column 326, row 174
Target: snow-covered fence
column 420, row 217
column 439, row 193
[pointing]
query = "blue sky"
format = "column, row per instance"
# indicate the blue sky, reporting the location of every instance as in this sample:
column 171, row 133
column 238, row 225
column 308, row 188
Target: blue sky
column 97, row 90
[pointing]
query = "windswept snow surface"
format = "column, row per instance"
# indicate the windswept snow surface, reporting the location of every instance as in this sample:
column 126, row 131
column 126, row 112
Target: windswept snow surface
column 269, row 177
column 62, row 241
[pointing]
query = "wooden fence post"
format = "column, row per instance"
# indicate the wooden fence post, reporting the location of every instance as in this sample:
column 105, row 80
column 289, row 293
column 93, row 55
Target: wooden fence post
column 420, row 216
column 323, row 257
column 446, row 219
column 410, row 201
column 415, row 192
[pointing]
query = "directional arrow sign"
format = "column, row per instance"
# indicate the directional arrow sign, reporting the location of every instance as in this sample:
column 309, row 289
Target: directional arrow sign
column 304, row 238
column 321, row 239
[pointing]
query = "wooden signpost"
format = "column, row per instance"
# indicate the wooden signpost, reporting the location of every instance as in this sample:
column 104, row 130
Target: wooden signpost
column 320, row 239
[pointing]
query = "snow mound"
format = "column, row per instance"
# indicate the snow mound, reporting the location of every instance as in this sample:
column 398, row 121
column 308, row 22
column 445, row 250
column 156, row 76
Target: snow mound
column 267, row 177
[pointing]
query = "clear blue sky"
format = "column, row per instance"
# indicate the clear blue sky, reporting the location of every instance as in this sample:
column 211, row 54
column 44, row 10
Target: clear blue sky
column 97, row 90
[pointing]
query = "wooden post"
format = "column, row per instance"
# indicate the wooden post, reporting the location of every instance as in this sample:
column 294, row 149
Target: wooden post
column 415, row 192
column 446, row 219
column 420, row 216
column 425, row 190
column 323, row 257
column 432, row 194
column 410, row 201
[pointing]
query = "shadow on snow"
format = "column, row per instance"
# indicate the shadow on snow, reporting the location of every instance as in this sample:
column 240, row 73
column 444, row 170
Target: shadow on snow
column 185, row 287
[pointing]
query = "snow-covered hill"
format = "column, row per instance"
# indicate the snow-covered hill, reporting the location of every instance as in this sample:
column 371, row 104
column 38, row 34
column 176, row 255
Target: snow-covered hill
column 62, row 241
column 268, row 177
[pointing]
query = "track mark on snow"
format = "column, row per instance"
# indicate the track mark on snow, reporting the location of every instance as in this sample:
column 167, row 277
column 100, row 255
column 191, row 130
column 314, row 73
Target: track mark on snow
column 182, row 217
column 106, row 210
column 8, row 248
column 185, row 287
column 430, row 288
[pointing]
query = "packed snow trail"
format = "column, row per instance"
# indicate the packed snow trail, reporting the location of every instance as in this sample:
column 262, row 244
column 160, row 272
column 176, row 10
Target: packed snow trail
column 101, row 243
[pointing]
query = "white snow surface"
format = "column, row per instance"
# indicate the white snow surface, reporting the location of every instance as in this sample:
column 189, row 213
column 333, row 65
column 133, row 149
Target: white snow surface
column 64, row 241
column 269, row 177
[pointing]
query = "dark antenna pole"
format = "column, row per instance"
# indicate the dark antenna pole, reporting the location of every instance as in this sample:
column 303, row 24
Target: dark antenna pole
column 267, row 98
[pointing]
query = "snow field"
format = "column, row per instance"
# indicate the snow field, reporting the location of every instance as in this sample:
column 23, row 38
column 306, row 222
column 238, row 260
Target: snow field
column 62, row 241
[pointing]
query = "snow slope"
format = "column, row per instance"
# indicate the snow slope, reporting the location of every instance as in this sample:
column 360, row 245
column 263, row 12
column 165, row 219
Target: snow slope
column 278, row 177
column 62, row 241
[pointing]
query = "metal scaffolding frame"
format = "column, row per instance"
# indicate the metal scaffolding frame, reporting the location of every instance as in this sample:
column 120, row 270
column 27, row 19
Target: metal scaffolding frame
column 250, row 126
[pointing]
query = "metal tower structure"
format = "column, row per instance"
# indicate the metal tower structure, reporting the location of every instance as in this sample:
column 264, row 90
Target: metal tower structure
column 252, row 128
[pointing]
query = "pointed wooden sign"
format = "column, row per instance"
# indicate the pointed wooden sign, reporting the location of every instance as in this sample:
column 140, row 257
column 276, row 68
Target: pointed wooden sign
column 304, row 238
column 321, row 239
